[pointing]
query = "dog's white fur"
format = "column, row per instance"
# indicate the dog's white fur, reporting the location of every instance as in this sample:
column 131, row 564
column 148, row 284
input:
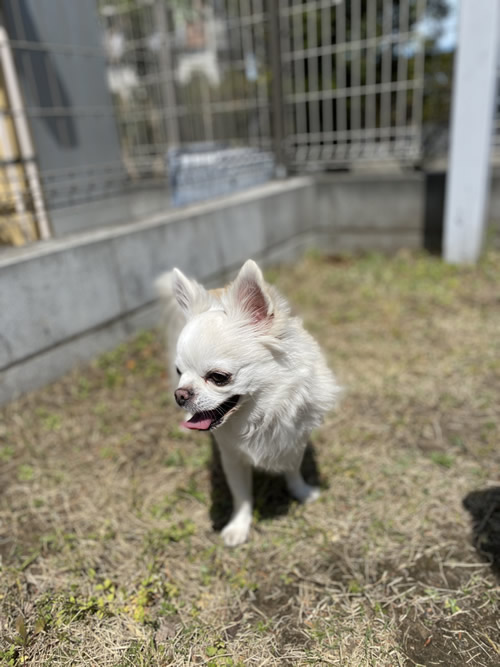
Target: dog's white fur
column 276, row 368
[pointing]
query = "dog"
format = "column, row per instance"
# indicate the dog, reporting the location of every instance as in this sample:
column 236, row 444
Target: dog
column 249, row 373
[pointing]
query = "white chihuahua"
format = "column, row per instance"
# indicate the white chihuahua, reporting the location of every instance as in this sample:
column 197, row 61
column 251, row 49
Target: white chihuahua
column 249, row 372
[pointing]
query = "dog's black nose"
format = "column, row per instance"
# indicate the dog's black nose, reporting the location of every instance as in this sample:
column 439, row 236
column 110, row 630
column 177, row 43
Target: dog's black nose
column 183, row 394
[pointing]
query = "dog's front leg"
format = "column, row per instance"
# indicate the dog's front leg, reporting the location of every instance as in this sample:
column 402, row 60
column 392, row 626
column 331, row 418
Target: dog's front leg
column 239, row 478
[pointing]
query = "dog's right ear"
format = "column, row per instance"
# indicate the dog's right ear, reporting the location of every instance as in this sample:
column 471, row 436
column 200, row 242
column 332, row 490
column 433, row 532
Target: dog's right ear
column 190, row 295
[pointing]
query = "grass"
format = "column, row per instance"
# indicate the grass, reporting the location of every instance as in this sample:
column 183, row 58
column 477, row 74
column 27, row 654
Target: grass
column 107, row 509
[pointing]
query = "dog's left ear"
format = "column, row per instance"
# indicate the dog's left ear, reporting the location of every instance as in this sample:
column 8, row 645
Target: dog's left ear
column 190, row 295
column 250, row 295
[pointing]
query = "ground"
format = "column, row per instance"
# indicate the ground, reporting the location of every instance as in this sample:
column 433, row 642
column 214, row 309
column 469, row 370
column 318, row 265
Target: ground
column 109, row 513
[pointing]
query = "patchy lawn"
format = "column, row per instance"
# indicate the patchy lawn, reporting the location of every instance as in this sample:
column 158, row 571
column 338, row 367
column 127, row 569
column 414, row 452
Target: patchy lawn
column 107, row 510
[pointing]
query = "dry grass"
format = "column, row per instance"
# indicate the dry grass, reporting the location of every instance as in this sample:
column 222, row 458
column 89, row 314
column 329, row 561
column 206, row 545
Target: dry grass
column 108, row 553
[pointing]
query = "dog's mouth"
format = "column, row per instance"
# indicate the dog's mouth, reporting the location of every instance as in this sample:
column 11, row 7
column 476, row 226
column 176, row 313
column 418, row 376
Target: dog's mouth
column 209, row 419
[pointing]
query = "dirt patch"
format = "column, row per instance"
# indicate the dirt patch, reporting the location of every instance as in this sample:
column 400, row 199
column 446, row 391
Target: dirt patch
column 467, row 638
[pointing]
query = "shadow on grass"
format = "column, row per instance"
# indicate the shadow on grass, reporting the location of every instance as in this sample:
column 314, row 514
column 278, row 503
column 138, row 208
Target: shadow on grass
column 484, row 507
column 271, row 497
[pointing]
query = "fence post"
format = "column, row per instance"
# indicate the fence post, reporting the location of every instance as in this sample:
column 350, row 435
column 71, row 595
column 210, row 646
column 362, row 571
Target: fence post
column 167, row 71
column 474, row 85
column 276, row 86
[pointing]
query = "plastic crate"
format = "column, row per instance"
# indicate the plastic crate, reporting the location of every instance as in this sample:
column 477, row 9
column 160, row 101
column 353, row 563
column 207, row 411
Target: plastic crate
column 204, row 171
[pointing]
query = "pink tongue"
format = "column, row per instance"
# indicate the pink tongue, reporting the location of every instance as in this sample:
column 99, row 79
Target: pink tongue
column 199, row 424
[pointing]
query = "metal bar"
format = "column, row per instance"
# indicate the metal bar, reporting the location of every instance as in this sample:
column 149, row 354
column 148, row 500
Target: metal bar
column 418, row 92
column 371, row 66
column 355, row 70
column 72, row 49
column 402, row 73
column 247, row 42
column 262, row 84
column 208, row 129
column 340, row 37
column 343, row 93
column 154, row 95
column 243, row 130
column 366, row 43
column 286, row 79
column 169, row 93
column 299, row 79
column 361, row 133
column 276, row 83
column 326, row 73
column 385, row 102
column 312, row 72
column 230, row 24
column 308, row 5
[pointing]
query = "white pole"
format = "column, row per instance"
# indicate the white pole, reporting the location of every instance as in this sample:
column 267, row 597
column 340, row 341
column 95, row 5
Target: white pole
column 13, row 178
column 23, row 133
column 474, row 88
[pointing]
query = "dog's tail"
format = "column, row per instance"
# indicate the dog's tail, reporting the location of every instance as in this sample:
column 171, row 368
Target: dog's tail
column 173, row 320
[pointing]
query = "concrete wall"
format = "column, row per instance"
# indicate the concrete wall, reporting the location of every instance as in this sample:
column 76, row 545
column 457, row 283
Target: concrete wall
column 371, row 211
column 64, row 301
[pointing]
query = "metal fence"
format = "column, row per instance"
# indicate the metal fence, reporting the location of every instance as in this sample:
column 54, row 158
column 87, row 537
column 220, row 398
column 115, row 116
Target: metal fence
column 353, row 80
column 187, row 72
column 110, row 85
column 348, row 75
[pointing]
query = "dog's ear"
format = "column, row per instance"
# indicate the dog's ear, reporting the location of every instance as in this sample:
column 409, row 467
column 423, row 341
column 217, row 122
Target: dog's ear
column 249, row 294
column 190, row 295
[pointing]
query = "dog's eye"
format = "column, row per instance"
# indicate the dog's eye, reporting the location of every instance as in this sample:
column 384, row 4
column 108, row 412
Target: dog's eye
column 178, row 371
column 218, row 378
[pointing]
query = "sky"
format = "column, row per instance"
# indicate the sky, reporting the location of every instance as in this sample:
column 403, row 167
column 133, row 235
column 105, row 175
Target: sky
column 449, row 27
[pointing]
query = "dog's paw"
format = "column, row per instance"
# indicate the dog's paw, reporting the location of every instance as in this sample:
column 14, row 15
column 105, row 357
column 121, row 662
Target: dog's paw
column 236, row 532
column 303, row 492
column 299, row 489
column 310, row 494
